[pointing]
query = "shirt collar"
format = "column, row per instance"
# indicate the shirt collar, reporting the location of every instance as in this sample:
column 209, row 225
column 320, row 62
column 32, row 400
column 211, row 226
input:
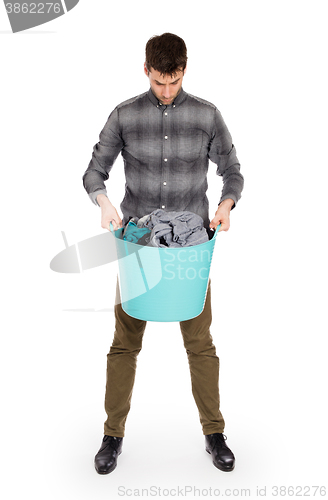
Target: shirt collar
column 177, row 101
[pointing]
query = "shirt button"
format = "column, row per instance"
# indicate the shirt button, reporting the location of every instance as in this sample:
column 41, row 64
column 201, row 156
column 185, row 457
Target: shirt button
column 165, row 114
column 164, row 183
column 165, row 159
column 173, row 106
column 163, row 206
column 165, row 137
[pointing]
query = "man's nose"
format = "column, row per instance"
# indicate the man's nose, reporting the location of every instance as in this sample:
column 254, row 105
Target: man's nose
column 166, row 92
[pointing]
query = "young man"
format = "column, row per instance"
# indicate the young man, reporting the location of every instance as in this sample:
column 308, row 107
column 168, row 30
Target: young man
column 166, row 138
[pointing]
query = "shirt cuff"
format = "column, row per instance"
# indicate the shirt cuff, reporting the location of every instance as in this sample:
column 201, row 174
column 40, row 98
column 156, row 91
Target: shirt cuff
column 93, row 196
column 231, row 197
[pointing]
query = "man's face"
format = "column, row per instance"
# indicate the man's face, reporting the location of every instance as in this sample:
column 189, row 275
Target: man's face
column 165, row 87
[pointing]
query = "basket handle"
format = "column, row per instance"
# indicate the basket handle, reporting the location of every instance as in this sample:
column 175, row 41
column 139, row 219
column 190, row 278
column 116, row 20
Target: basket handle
column 111, row 228
column 217, row 230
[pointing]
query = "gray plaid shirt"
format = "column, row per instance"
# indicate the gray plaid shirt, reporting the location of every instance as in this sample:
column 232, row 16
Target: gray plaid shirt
column 166, row 152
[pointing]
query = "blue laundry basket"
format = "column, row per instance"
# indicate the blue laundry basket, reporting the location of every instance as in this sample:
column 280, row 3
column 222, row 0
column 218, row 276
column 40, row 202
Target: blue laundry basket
column 163, row 284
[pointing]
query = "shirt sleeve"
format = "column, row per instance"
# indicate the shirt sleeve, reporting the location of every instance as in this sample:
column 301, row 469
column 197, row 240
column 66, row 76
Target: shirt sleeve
column 223, row 153
column 104, row 155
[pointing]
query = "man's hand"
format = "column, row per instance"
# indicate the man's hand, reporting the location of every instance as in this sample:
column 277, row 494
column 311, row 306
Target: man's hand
column 222, row 215
column 108, row 213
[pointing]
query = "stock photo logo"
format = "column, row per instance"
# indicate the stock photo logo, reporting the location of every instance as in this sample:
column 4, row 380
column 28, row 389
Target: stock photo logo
column 105, row 248
column 24, row 14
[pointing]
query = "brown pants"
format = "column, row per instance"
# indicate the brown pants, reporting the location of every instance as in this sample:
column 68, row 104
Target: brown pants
column 203, row 363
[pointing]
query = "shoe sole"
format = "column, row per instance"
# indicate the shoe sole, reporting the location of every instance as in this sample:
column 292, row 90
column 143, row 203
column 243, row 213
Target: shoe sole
column 107, row 472
column 223, row 470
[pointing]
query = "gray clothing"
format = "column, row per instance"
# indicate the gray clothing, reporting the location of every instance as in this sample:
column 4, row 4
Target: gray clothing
column 166, row 152
column 178, row 229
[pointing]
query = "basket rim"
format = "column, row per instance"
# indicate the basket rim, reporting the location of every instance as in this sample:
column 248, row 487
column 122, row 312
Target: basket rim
column 211, row 241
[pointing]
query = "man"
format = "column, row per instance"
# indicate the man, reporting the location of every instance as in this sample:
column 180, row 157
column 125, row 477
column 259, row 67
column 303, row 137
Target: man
column 166, row 138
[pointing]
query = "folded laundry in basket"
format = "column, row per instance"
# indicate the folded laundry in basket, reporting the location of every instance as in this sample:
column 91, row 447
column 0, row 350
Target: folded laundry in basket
column 175, row 229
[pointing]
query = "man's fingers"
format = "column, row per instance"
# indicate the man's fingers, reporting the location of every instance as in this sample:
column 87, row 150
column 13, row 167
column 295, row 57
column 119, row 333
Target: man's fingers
column 224, row 226
column 116, row 225
column 105, row 223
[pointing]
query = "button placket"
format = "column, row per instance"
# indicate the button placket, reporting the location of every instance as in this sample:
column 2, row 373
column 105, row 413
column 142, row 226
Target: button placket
column 166, row 158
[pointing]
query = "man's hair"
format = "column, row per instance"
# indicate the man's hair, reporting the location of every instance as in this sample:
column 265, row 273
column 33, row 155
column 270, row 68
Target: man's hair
column 166, row 53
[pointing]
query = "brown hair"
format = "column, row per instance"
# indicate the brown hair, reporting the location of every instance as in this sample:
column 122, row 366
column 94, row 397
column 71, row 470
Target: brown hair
column 166, row 53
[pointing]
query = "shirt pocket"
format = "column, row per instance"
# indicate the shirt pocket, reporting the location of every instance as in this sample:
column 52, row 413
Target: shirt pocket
column 189, row 145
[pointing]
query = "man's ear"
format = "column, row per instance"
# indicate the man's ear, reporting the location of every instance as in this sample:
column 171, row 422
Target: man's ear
column 146, row 70
column 185, row 70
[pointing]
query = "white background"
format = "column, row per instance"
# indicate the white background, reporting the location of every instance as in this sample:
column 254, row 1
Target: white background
column 263, row 63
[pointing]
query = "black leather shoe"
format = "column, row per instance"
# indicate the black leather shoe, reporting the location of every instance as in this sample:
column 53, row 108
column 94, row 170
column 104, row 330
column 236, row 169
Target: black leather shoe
column 222, row 456
column 106, row 458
